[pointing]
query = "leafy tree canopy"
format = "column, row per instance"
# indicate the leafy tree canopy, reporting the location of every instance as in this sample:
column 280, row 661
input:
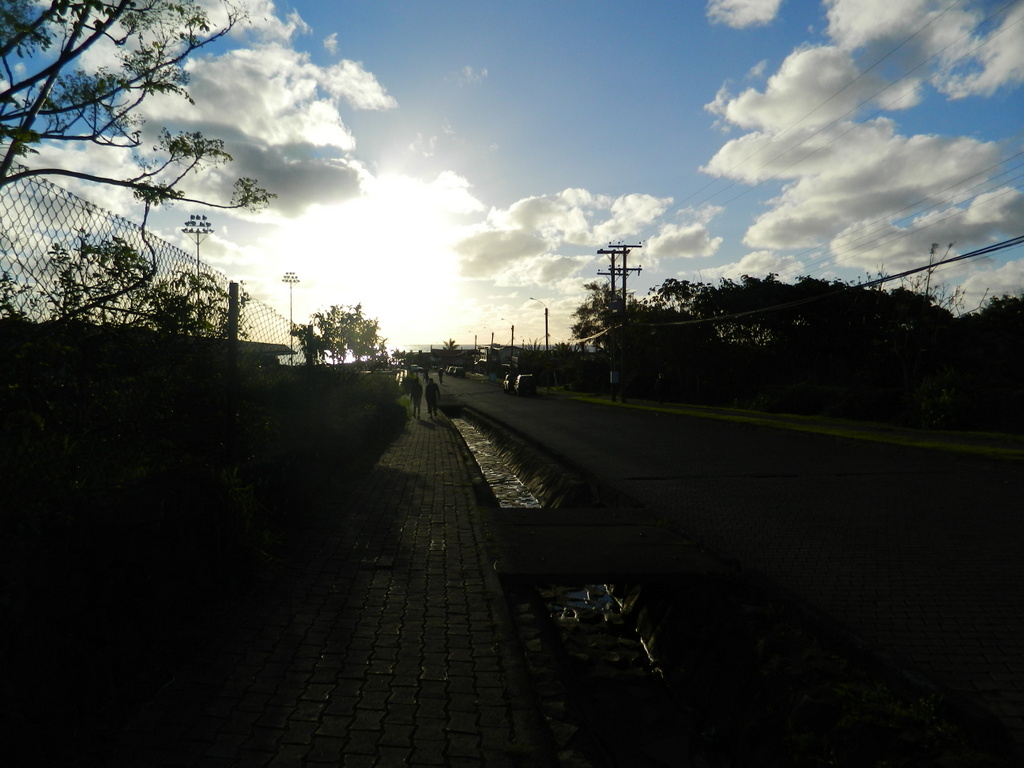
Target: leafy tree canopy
column 593, row 315
column 50, row 90
column 344, row 333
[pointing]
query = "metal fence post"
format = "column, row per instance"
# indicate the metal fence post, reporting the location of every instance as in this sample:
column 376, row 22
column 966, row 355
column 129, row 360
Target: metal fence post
column 231, row 437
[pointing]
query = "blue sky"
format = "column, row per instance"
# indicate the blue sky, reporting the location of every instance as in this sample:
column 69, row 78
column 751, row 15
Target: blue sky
column 455, row 165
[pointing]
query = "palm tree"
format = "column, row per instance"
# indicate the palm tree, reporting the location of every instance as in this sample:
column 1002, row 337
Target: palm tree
column 451, row 344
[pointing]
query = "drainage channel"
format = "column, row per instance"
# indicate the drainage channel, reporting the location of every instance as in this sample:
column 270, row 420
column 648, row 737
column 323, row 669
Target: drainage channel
column 507, row 488
column 604, row 701
column 741, row 673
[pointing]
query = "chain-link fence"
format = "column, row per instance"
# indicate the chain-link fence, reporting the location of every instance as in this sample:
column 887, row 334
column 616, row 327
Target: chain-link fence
column 123, row 357
column 62, row 256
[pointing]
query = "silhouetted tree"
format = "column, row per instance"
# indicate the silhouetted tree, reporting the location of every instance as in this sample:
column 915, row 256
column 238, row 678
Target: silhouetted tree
column 344, row 332
column 76, row 72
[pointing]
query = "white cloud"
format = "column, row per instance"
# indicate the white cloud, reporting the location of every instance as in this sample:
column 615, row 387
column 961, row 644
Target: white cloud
column 548, row 269
column 757, row 71
column 270, row 94
column 451, row 193
column 280, row 117
column 539, row 227
column 682, row 240
column 813, row 87
column 299, row 179
column 857, row 23
column 551, row 217
column 629, row 214
column 469, row 76
column 742, row 13
column 490, row 253
column 423, row 146
column 853, row 173
column 84, row 158
column 261, row 19
column 964, row 56
column 996, row 63
column 1005, row 280
column 348, row 80
column 898, row 246
column 755, row 264
column 279, row 114
column 888, row 195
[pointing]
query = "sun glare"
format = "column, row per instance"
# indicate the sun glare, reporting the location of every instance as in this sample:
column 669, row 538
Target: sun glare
column 388, row 250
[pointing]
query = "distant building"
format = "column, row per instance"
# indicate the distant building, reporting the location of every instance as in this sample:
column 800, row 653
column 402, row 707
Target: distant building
column 443, row 357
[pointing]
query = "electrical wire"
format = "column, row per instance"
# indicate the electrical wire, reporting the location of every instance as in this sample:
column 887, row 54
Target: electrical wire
column 874, row 96
column 872, row 227
column 1011, row 243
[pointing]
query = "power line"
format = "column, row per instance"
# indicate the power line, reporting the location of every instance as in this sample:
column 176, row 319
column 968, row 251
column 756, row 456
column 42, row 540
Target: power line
column 891, row 85
column 793, row 125
column 1011, row 243
column 867, row 240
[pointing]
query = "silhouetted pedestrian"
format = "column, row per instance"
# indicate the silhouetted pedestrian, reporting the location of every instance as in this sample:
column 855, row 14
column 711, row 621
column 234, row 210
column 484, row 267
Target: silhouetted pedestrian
column 416, row 394
column 659, row 388
column 433, row 392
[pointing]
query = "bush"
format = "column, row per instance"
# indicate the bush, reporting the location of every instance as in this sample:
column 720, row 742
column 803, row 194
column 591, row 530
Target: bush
column 857, row 402
column 946, row 400
column 93, row 574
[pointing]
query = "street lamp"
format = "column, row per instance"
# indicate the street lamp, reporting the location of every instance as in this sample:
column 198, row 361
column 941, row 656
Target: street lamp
column 291, row 279
column 547, row 346
column 198, row 228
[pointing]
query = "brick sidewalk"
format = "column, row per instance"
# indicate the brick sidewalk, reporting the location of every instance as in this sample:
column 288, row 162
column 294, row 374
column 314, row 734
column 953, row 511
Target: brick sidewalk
column 386, row 643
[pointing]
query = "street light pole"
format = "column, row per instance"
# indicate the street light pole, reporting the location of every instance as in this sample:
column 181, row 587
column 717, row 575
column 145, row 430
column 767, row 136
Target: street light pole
column 547, row 345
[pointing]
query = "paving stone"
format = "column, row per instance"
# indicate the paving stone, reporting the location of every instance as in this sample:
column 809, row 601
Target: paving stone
column 325, row 749
column 289, row 756
column 299, row 732
column 263, row 739
column 362, row 742
column 367, row 651
column 397, row 735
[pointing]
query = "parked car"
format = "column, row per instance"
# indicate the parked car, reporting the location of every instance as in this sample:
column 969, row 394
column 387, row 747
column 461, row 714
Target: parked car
column 526, row 384
column 458, row 371
column 509, row 384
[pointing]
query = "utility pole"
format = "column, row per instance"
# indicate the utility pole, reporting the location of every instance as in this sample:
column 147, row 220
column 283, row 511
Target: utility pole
column 618, row 380
column 613, row 374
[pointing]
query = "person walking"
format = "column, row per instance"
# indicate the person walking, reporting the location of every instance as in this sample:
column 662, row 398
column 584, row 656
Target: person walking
column 659, row 388
column 433, row 393
column 415, row 393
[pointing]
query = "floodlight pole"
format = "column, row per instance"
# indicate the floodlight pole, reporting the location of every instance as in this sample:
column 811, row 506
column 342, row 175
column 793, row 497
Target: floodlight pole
column 198, row 228
column 291, row 279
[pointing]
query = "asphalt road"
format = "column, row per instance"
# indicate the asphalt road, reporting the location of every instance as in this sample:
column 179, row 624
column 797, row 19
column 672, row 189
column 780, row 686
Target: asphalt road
column 918, row 552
